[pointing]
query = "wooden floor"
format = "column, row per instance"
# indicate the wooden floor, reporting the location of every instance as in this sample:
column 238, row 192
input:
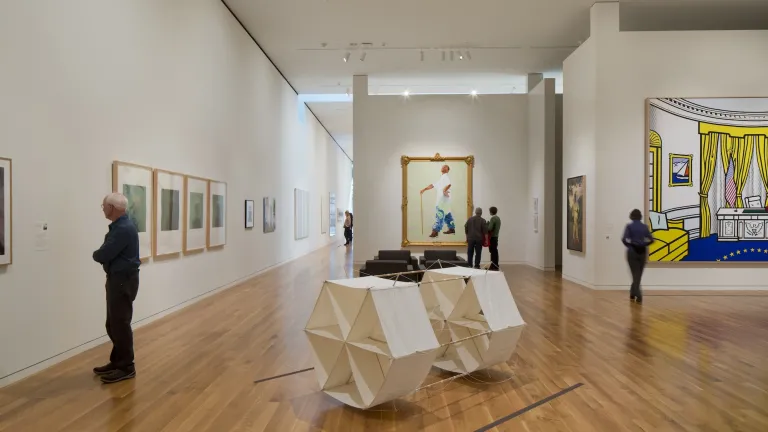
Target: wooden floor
column 677, row 363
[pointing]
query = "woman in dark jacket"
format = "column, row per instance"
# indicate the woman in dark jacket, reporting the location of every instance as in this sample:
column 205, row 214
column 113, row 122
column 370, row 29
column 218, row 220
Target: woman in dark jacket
column 636, row 238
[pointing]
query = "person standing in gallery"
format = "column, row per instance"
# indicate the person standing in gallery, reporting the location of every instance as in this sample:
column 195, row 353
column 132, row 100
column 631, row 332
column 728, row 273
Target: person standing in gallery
column 475, row 228
column 636, row 238
column 443, row 215
column 119, row 256
column 494, row 226
column 348, row 224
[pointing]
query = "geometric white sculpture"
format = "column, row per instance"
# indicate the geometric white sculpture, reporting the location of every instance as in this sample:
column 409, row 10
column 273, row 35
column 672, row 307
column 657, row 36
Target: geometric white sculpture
column 474, row 317
column 371, row 340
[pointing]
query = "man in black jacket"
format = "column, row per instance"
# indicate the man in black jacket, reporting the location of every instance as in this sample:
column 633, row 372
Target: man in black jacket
column 475, row 228
column 119, row 256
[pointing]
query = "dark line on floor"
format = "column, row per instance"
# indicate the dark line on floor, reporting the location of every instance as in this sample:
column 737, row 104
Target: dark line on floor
column 705, row 295
column 283, row 375
column 528, row 408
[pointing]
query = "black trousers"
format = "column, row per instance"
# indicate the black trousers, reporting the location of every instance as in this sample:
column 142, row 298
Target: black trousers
column 494, row 249
column 121, row 292
column 636, row 260
column 348, row 234
column 475, row 248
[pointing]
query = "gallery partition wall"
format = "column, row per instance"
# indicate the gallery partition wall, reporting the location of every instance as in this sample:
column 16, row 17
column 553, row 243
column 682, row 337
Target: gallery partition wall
column 119, row 96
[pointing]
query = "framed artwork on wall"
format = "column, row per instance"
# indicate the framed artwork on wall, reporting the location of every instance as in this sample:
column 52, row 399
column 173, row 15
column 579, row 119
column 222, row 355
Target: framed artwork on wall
column 169, row 194
column 332, row 214
column 270, row 214
column 249, row 222
column 195, row 215
column 301, row 213
column 217, row 214
column 136, row 183
column 6, row 212
column 576, row 188
column 437, row 199
column 708, row 203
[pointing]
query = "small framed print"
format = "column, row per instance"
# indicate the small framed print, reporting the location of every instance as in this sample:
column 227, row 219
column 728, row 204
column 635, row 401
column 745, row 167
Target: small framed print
column 217, row 214
column 136, row 183
column 249, row 214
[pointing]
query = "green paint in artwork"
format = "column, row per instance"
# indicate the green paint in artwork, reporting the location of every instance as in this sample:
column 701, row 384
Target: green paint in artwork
column 195, row 210
column 217, row 211
column 169, row 210
column 137, row 205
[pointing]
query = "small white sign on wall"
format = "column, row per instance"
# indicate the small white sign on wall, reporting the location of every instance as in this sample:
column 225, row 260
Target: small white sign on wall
column 42, row 238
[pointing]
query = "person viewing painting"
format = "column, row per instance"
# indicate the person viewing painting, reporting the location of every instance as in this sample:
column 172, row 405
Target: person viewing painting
column 443, row 215
column 494, row 227
column 476, row 228
column 637, row 237
column 348, row 224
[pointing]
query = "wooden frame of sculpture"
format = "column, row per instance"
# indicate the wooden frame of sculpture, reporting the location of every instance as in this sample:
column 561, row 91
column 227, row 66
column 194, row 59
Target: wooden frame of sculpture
column 6, row 211
column 167, row 234
column 410, row 239
column 136, row 182
column 195, row 231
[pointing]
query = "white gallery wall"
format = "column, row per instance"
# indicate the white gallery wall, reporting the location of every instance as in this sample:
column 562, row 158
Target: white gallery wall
column 625, row 68
column 540, row 230
column 493, row 128
column 152, row 82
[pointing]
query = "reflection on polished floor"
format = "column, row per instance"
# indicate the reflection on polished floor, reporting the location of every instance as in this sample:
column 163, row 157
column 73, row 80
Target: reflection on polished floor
column 677, row 363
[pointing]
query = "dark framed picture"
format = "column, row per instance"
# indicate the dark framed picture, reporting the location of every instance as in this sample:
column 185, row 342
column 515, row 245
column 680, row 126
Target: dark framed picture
column 576, row 189
column 248, row 214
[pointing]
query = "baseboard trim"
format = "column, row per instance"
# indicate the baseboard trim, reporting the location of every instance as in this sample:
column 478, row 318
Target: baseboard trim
column 546, row 269
column 27, row 371
column 685, row 287
column 578, row 281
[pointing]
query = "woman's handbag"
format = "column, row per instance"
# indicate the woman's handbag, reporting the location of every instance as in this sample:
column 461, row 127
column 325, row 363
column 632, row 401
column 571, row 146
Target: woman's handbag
column 487, row 240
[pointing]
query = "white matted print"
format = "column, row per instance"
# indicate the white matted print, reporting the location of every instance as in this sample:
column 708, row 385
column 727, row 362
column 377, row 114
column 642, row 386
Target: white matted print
column 301, row 213
column 270, row 214
column 169, row 193
column 332, row 214
column 217, row 214
column 249, row 214
column 6, row 206
column 195, row 215
column 136, row 183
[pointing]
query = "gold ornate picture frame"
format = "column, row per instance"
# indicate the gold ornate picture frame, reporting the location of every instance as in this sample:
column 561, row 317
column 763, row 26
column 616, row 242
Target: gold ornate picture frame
column 408, row 162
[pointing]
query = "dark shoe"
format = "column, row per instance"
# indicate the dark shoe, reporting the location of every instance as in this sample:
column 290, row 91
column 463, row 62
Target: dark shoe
column 632, row 297
column 434, row 234
column 450, row 231
column 639, row 300
column 104, row 370
column 117, row 375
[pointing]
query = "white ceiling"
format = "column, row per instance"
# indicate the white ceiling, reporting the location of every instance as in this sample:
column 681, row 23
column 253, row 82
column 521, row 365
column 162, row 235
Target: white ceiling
column 507, row 39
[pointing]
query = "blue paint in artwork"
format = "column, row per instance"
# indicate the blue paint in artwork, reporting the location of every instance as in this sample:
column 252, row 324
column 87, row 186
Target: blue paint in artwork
column 709, row 249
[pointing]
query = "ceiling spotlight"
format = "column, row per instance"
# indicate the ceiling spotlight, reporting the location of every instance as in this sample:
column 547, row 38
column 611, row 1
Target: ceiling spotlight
column 406, row 93
column 422, row 55
column 451, row 55
column 362, row 56
column 469, row 56
column 346, row 57
column 473, row 92
column 461, row 56
column 443, row 55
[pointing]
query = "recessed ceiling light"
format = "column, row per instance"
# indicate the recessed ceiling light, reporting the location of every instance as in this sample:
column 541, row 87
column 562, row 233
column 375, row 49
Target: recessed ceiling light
column 406, row 93
column 461, row 56
column 474, row 92
column 346, row 57
column 362, row 56
column 469, row 56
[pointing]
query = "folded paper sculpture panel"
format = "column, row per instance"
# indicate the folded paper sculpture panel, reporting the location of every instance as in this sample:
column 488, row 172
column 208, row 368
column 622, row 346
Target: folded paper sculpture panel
column 371, row 340
column 474, row 317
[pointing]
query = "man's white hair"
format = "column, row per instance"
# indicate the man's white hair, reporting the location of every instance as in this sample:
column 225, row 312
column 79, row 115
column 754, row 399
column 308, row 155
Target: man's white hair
column 117, row 200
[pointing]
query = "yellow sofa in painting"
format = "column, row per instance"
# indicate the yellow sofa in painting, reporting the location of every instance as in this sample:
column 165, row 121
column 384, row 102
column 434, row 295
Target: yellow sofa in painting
column 669, row 244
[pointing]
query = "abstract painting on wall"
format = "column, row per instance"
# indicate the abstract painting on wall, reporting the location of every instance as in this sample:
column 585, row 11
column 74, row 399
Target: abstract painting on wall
column 301, row 213
column 270, row 214
column 6, row 206
column 332, row 214
column 195, row 215
column 576, row 188
column 169, row 189
column 708, row 202
column 249, row 222
column 217, row 208
column 135, row 182
column 437, row 199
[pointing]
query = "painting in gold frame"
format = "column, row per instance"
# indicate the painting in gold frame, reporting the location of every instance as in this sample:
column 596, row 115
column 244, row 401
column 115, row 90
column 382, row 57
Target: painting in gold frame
column 437, row 199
